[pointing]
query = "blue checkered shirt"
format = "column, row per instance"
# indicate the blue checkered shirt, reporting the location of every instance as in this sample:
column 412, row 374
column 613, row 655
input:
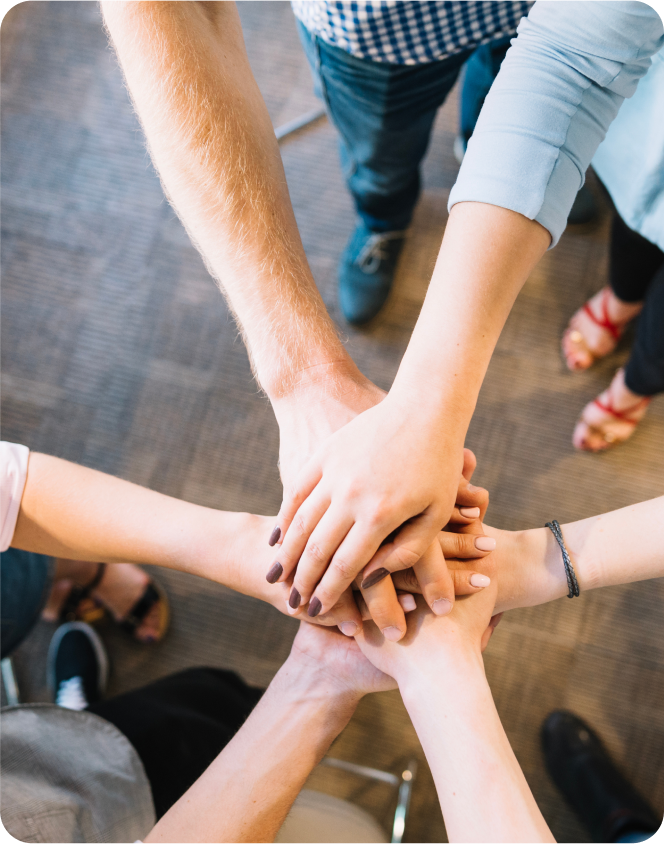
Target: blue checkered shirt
column 404, row 32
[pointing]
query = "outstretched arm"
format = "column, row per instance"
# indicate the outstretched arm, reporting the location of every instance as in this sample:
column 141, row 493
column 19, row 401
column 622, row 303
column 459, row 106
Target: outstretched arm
column 619, row 547
column 247, row 791
column 78, row 513
column 438, row 666
column 212, row 142
column 557, row 92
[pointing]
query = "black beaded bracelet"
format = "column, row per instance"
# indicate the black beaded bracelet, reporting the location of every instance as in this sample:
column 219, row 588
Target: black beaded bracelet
column 572, row 582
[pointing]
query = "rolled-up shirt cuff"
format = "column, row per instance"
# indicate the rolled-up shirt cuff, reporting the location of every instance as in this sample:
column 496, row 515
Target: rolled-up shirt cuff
column 557, row 92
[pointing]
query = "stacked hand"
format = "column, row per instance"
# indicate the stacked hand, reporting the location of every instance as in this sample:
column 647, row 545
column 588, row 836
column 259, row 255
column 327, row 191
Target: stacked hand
column 354, row 667
column 382, row 602
column 348, row 499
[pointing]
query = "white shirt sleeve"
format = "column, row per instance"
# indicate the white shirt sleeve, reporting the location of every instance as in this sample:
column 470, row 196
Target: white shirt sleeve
column 13, row 472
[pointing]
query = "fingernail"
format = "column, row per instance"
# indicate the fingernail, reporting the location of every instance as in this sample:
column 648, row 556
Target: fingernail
column 349, row 628
column 294, row 599
column 314, row 608
column 408, row 603
column 442, row 606
column 479, row 580
column 485, row 543
column 275, row 573
column 392, row 634
column 374, row 578
column 274, row 536
column 470, row 512
column 472, row 488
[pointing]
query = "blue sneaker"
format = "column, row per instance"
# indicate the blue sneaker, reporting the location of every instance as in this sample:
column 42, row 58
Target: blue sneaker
column 366, row 272
column 77, row 666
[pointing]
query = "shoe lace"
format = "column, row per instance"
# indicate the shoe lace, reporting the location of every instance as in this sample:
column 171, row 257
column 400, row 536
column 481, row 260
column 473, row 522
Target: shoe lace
column 71, row 695
column 375, row 250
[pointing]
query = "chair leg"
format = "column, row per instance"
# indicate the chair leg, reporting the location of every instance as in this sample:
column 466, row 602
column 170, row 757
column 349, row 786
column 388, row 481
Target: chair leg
column 403, row 802
column 9, row 681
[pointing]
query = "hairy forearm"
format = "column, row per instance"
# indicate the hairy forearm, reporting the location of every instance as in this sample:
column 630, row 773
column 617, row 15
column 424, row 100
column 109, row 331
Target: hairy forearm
column 486, row 256
column 77, row 513
column 211, row 139
column 483, row 793
column 248, row 790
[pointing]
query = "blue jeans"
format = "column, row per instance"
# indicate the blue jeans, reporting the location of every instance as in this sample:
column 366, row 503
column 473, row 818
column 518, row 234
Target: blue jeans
column 25, row 582
column 478, row 75
column 384, row 114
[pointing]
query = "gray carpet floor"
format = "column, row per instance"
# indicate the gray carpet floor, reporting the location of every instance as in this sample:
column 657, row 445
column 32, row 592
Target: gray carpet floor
column 118, row 352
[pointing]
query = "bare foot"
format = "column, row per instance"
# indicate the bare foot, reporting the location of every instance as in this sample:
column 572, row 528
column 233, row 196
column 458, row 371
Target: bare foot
column 121, row 586
column 611, row 418
column 587, row 339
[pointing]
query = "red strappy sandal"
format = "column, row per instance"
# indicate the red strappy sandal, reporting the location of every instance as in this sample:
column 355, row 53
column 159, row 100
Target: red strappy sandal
column 604, row 321
column 608, row 437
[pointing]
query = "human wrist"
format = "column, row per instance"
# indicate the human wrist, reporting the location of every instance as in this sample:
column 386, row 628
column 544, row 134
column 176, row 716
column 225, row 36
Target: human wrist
column 438, row 669
column 325, row 371
column 310, row 683
column 530, row 567
column 228, row 548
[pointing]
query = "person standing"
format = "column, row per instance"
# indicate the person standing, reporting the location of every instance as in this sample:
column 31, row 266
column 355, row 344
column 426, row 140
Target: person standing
column 383, row 71
column 630, row 163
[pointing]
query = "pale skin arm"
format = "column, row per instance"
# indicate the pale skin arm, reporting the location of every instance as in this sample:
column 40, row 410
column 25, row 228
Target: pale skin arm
column 75, row 513
column 622, row 546
column 401, row 460
column 248, row 790
column 438, row 666
column 483, row 793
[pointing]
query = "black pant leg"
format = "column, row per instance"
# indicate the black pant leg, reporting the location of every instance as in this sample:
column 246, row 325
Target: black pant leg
column 179, row 725
column 644, row 373
column 633, row 262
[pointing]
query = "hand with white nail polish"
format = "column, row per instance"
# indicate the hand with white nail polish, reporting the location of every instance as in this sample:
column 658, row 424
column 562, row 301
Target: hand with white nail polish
column 432, row 573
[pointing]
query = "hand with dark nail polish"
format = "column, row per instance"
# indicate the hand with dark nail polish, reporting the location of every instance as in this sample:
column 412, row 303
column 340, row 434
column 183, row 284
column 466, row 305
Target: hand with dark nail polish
column 274, row 536
column 275, row 573
column 294, row 599
column 314, row 608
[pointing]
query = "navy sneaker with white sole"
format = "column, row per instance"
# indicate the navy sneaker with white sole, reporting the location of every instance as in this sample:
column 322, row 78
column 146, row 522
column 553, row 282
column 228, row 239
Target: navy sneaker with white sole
column 77, row 666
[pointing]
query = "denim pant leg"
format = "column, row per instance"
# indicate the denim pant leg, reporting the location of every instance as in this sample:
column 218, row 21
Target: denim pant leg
column 478, row 75
column 25, row 582
column 384, row 114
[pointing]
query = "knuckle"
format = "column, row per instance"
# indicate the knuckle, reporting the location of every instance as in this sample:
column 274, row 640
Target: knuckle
column 326, row 596
column 292, row 494
column 298, row 523
column 315, row 554
column 344, row 568
column 406, row 556
column 464, row 544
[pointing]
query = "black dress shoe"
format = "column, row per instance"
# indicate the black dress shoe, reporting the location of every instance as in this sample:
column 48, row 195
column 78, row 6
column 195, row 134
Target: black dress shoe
column 608, row 805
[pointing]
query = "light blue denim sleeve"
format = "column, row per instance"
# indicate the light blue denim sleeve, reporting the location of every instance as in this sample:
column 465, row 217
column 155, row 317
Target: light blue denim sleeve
column 560, row 86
